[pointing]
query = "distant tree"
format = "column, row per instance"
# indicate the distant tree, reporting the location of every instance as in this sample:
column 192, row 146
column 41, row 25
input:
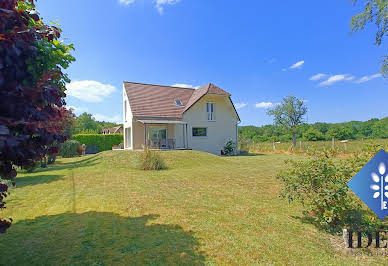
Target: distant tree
column 313, row 135
column 340, row 133
column 86, row 123
column 289, row 114
column 380, row 129
column 32, row 90
column 375, row 11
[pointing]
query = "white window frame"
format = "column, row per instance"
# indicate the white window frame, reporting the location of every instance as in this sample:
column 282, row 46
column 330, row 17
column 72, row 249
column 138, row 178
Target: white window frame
column 192, row 133
column 125, row 110
column 211, row 111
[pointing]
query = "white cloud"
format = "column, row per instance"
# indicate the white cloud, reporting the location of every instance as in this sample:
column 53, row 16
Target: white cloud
column 318, row 76
column 297, row 64
column 78, row 110
column 126, row 2
column 264, row 105
column 113, row 119
column 182, row 85
column 240, row 105
column 159, row 4
column 336, row 78
column 368, row 78
column 89, row 90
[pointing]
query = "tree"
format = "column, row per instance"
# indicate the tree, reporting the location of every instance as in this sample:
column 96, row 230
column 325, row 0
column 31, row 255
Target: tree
column 85, row 123
column 289, row 115
column 32, row 90
column 313, row 135
column 375, row 11
column 340, row 132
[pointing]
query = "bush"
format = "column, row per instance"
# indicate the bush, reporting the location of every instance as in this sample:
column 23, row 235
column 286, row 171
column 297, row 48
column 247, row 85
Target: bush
column 319, row 184
column 229, row 148
column 69, row 148
column 149, row 160
column 104, row 142
column 313, row 135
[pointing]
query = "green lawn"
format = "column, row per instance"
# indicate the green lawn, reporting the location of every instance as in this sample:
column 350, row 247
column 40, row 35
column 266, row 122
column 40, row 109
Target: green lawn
column 205, row 209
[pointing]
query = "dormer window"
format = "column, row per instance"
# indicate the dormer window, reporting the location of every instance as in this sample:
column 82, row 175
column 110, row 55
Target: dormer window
column 178, row 102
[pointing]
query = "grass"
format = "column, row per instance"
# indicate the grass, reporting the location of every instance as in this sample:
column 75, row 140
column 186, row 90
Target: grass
column 351, row 147
column 204, row 209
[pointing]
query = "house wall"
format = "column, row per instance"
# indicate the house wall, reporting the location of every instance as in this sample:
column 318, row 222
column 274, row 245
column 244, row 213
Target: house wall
column 127, row 120
column 219, row 131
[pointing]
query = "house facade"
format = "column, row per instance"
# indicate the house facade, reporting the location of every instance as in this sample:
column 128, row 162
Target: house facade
column 166, row 117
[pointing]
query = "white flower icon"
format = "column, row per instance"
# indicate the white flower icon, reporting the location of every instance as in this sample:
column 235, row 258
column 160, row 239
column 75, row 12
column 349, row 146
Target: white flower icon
column 379, row 187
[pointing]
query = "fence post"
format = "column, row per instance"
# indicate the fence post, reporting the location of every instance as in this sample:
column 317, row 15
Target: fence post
column 274, row 147
column 332, row 143
column 300, row 145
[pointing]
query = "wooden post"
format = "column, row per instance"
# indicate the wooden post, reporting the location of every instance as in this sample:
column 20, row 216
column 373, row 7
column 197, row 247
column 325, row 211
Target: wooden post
column 345, row 146
column 332, row 143
column 300, row 145
column 274, row 147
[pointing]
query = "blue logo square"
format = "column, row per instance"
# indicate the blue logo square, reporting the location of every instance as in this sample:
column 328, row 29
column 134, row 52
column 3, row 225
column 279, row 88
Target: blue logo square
column 371, row 184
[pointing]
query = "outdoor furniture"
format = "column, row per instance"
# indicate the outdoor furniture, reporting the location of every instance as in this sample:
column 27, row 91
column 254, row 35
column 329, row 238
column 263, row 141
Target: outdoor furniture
column 171, row 143
column 161, row 143
column 91, row 149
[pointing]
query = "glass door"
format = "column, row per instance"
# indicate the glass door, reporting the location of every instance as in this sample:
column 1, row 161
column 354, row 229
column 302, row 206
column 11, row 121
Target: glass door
column 158, row 137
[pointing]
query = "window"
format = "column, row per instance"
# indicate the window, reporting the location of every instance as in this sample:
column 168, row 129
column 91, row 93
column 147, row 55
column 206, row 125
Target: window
column 199, row 132
column 125, row 111
column 210, row 112
column 178, row 102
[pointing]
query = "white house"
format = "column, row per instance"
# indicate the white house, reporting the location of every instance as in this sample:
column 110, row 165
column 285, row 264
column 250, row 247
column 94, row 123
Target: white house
column 165, row 117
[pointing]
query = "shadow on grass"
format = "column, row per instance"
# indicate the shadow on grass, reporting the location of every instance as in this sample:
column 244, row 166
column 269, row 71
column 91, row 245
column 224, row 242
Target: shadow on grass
column 94, row 238
column 250, row 154
column 31, row 179
column 36, row 180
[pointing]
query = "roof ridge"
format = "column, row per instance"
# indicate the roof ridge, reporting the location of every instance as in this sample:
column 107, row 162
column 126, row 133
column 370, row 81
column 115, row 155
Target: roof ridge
column 158, row 85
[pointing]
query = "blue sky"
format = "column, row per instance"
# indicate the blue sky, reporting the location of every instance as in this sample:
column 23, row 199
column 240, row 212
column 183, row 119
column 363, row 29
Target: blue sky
column 259, row 51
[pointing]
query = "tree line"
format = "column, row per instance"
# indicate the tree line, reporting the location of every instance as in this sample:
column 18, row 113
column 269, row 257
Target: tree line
column 86, row 124
column 371, row 129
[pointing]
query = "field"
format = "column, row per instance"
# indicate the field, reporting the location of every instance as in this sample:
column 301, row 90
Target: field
column 352, row 146
column 205, row 209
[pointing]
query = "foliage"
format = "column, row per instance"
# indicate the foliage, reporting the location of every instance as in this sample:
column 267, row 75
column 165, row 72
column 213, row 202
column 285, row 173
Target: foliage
column 86, row 124
column 313, row 135
column 69, row 148
column 289, row 114
column 340, row 133
column 371, row 129
column 104, row 142
column 32, row 89
column 319, row 183
column 230, row 147
column 150, row 160
column 375, row 11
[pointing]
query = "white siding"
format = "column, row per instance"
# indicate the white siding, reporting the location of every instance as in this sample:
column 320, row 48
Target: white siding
column 127, row 120
column 219, row 131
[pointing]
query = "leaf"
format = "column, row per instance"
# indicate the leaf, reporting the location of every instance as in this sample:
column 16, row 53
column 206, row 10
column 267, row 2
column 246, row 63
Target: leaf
column 376, row 178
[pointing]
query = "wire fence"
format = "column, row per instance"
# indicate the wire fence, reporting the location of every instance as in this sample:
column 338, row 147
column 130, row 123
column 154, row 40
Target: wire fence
column 342, row 147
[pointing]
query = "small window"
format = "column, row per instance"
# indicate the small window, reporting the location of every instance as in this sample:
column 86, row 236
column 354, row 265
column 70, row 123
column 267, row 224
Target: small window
column 178, row 102
column 199, row 132
column 210, row 112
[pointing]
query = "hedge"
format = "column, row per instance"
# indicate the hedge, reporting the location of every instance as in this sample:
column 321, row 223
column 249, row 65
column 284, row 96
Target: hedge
column 104, row 142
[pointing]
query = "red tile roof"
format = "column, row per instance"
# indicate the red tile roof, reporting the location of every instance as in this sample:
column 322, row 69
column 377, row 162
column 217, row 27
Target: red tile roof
column 147, row 100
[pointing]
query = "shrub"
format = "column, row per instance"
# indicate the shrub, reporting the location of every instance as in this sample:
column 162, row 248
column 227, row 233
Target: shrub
column 229, row 148
column 104, row 142
column 149, row 160
column 69, row 148
column 313, row 135
column 319, row 184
